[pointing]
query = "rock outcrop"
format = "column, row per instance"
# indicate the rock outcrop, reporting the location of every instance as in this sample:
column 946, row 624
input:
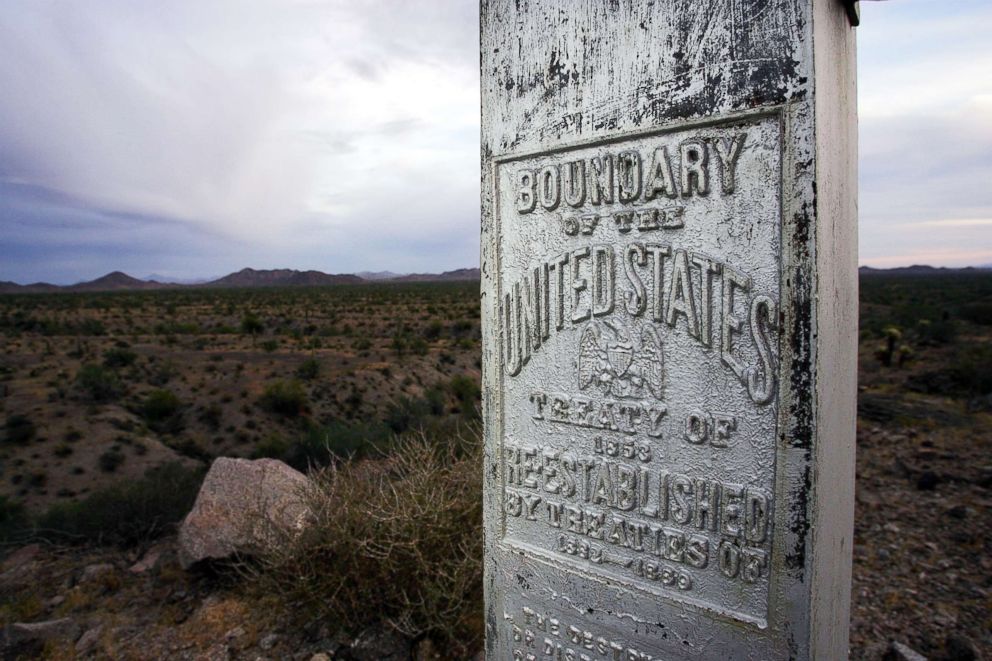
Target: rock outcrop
column 243, row 506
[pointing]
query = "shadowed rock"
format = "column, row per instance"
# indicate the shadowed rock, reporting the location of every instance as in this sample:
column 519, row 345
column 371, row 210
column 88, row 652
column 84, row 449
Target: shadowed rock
column 18, row 635
column 242, row 505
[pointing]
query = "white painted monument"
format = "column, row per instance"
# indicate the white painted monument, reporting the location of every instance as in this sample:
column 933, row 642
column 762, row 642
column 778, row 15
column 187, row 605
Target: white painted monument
column 670, row 321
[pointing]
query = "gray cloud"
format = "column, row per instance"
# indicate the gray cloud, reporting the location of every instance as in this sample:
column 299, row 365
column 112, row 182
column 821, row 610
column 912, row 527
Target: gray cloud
column 208, row 135
column 925, row 133
column 242, row 120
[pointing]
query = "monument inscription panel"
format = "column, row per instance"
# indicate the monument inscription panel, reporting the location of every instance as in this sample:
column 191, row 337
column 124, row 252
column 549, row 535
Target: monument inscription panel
column 669, row 324
column 638, row 314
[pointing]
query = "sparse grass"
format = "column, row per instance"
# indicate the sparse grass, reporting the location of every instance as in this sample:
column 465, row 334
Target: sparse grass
column 309, row 369
column 395, row 540
column 125, row 514
column 98, row 383
column 162, row 410
column 111, row 460
column 119, row 357
column 19, row 429
column 287, row 398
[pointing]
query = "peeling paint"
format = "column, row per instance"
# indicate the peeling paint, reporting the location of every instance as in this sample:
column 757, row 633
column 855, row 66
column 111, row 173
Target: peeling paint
column 566, row 82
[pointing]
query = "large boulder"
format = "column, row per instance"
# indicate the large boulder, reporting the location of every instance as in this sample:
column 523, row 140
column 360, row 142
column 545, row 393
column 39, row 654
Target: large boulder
column 242, row 506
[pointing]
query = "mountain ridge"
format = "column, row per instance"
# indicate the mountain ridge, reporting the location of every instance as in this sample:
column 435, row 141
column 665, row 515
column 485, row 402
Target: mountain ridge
column 922, row 269
column 245, row 278
column 261, row 278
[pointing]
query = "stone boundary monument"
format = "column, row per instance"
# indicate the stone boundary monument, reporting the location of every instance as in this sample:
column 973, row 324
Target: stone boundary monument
column 669, row 264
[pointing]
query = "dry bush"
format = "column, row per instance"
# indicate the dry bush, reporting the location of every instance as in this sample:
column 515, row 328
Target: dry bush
column 394, row 541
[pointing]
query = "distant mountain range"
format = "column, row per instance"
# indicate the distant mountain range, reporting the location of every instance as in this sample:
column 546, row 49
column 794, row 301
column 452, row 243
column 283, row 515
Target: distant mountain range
column 921, row 269
column 245, row 278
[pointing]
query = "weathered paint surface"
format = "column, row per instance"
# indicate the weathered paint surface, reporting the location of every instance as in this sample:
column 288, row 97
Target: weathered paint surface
column 668, row 306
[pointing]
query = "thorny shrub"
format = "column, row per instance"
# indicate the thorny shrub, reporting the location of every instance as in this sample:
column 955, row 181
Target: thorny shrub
column 393, row 540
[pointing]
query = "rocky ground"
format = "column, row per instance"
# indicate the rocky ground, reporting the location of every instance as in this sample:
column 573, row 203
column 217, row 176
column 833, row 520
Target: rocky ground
column 922, row 579
column 105, row 605
column 922, row 549
column 922, row 571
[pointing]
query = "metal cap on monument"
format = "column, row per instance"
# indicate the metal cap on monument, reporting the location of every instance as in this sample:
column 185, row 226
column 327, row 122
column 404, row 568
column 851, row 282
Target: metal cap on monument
column 669, row 263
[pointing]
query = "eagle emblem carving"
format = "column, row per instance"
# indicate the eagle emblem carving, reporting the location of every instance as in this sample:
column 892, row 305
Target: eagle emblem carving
column 612, row 362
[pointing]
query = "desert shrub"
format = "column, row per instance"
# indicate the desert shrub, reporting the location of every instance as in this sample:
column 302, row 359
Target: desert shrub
column 162, row 410
column 91, row 327
column 287, row 398
column 188, row 448
column 418, row 346
column 270, row 345
column 125, row 514
column 98, row 383
column 13, row 519
column 435, row 399
column 393, row 541
column 433, row 330
column 162, row 374
column 936, row 331
column 111, row 460
column 19, row 429
column 119, row 357
column 309, row 369
column 466, row 390
column 323, row 445
column 211, row 416
column 977, row 313
column 406, row 413
column 272, row 447
column 462, row 327
column 968, row 372
column 251, row 325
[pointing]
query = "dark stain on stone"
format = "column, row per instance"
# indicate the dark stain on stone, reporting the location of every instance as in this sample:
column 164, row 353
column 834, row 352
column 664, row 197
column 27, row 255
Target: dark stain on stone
column 522, row 582
column 795, row 558
column 557, row 70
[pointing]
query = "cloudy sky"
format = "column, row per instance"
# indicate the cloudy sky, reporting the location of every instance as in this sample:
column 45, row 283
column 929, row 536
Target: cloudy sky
column 190, row 138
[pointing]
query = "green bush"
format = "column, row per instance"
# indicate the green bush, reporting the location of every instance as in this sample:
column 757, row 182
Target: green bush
column 271, row 447
column 188, row 448
column 251, row 325
column 13, row 520
column 162, row 410
column 309, row 369
column 111, row 460
column 212, row 416
column 971, row 370
column 936, row 331
column 119, row 357
column 98, row 383
column 977, row 313
column 394, row 541
column 967, row 373
column 435, row 399
column 433, row 330
column 406, row 413
column 125, row 514
column 19, row 429
column 286, row 398
column 466, row 390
